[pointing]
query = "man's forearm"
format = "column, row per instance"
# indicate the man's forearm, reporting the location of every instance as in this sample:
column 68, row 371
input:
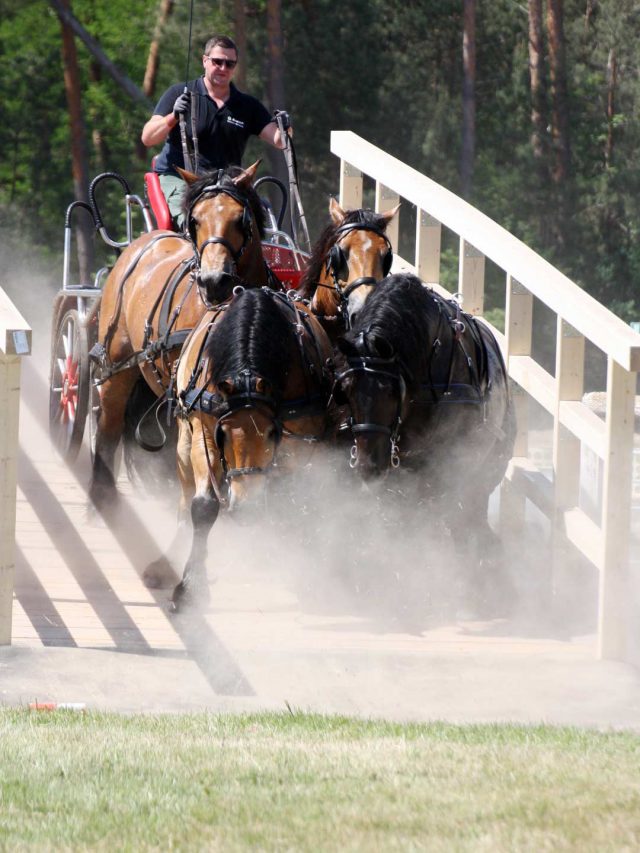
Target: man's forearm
column 157, row 129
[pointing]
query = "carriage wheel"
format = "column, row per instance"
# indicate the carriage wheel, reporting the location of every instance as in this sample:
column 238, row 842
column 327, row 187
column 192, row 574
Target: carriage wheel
column 69, row 386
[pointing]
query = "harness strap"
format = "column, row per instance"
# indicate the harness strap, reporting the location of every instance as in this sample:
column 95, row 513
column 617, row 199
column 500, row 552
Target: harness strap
column 132, row 265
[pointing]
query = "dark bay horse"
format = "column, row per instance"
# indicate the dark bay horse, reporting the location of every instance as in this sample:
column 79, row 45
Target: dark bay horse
column 253, row 383
column 350, row 257
column 159, row 289
column 427, row 390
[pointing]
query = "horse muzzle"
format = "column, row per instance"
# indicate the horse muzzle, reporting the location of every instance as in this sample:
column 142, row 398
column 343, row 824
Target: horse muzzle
column 216, row 287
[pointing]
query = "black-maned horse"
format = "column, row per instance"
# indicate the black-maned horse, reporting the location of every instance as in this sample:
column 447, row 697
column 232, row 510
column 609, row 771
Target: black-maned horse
column 350, row 257
column 158, row 290
column 253, row 381
column 427, row 390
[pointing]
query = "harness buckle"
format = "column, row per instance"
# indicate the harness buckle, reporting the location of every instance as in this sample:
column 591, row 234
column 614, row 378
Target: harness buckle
column 353, row 456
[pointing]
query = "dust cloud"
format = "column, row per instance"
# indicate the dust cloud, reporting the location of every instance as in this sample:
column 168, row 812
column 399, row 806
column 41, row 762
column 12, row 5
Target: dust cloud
column 382, row 558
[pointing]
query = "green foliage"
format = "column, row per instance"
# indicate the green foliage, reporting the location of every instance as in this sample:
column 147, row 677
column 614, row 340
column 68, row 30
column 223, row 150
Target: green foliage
column 390, row 71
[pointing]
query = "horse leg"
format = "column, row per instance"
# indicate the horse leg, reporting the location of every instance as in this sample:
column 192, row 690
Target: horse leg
column 160, row 573
column 480, row 550
column 193, row 588
column 113, row 401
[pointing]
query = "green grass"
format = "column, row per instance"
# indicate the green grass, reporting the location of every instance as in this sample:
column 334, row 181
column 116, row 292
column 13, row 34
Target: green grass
column 71, row 781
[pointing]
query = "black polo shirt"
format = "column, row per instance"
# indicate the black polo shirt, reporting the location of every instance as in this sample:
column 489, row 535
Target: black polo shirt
column 222, row 133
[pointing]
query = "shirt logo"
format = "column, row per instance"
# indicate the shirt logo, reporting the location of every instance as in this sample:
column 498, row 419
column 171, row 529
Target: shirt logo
column 234, row 121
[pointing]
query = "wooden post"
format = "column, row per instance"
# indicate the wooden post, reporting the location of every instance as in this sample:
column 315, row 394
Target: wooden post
column 518, row 337
column 471, row 278
column 569, row 386
column 385, row 200
column 15, row 341
column 428, row 243
column 350, row 186
column 613, row 608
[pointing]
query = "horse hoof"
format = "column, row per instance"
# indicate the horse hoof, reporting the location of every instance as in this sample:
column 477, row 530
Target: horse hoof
column 104, row 499
column 186, row 597
column 158, row 575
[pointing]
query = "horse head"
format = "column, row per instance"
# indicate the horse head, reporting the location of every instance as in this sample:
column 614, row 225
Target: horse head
column 351, row 258
column 247, row 437
column 225, row 223
column 373, row 388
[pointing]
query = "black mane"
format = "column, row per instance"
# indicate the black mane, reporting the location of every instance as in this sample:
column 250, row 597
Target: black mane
column 254, row 334
column 224, row 178
column 401, row 315
column 320, row 252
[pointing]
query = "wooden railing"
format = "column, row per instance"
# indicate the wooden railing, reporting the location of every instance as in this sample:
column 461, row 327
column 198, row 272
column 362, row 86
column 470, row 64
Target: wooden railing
column 15, row 342
column 579, row 318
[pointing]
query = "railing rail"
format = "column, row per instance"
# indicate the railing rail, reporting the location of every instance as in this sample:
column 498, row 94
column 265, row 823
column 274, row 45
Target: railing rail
column 579, row 318
column 15, row 342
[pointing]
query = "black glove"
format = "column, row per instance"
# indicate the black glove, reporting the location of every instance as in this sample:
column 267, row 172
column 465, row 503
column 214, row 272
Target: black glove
column 285, row 118
column 182, row 104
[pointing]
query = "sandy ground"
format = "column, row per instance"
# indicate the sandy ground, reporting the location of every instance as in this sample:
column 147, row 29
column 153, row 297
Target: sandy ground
column 339, row 611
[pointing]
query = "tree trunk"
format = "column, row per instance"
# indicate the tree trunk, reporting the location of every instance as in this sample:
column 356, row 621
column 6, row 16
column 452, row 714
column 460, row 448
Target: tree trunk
column 63, row 11
column 537, row 84
column 97, row 139
column 79, row 165
column 468, row 97
column 275, row 83
column 240, row 38
column 559, row 97
column 153, row 60
column 612, row 80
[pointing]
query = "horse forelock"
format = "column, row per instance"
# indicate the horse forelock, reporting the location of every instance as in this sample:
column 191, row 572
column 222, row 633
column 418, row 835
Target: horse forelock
column 320, row 251
column 246, row 194
column 255, row 334
column 401, row 312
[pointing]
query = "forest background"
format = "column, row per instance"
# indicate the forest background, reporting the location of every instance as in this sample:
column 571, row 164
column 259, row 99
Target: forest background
column 528, row 108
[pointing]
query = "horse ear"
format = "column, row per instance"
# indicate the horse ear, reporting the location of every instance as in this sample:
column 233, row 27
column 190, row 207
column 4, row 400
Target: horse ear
column 226, row 387
column 389, row 214
column 189, row 177
column 336, row 212
column 246, row 178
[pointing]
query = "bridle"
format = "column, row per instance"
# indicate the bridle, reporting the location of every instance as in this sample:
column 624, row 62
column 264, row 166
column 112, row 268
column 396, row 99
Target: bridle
column 246, row 398
column 388, row 368
column 223, row 185
column 338, row 267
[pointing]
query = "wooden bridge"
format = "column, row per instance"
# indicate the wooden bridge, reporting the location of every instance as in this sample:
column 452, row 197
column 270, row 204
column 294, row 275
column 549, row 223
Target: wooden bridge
column 571, row 481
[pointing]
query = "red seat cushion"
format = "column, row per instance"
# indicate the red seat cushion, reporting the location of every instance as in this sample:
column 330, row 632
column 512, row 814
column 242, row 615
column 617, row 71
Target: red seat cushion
column 157, row 201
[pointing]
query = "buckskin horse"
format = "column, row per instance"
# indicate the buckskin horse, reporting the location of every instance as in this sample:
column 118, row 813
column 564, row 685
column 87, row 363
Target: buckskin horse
column 159, row 289
column 253, row 383
column 427, row 390
column 350, row 257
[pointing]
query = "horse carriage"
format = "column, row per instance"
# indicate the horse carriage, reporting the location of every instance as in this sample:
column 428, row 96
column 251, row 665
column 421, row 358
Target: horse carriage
column 73, row 396
column 259, row 348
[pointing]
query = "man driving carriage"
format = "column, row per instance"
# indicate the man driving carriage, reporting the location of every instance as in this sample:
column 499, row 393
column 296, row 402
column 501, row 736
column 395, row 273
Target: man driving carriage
column 224, row 120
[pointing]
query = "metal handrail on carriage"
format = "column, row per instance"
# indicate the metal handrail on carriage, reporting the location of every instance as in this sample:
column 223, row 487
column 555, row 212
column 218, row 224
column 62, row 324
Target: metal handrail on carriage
column 72, row 389
column 74, row 321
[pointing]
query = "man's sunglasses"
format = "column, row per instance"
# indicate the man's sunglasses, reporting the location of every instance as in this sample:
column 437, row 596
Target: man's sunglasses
column 220, row 63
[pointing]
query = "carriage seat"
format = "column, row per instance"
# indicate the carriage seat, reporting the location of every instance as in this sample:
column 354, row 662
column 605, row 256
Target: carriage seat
column 156, row 199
